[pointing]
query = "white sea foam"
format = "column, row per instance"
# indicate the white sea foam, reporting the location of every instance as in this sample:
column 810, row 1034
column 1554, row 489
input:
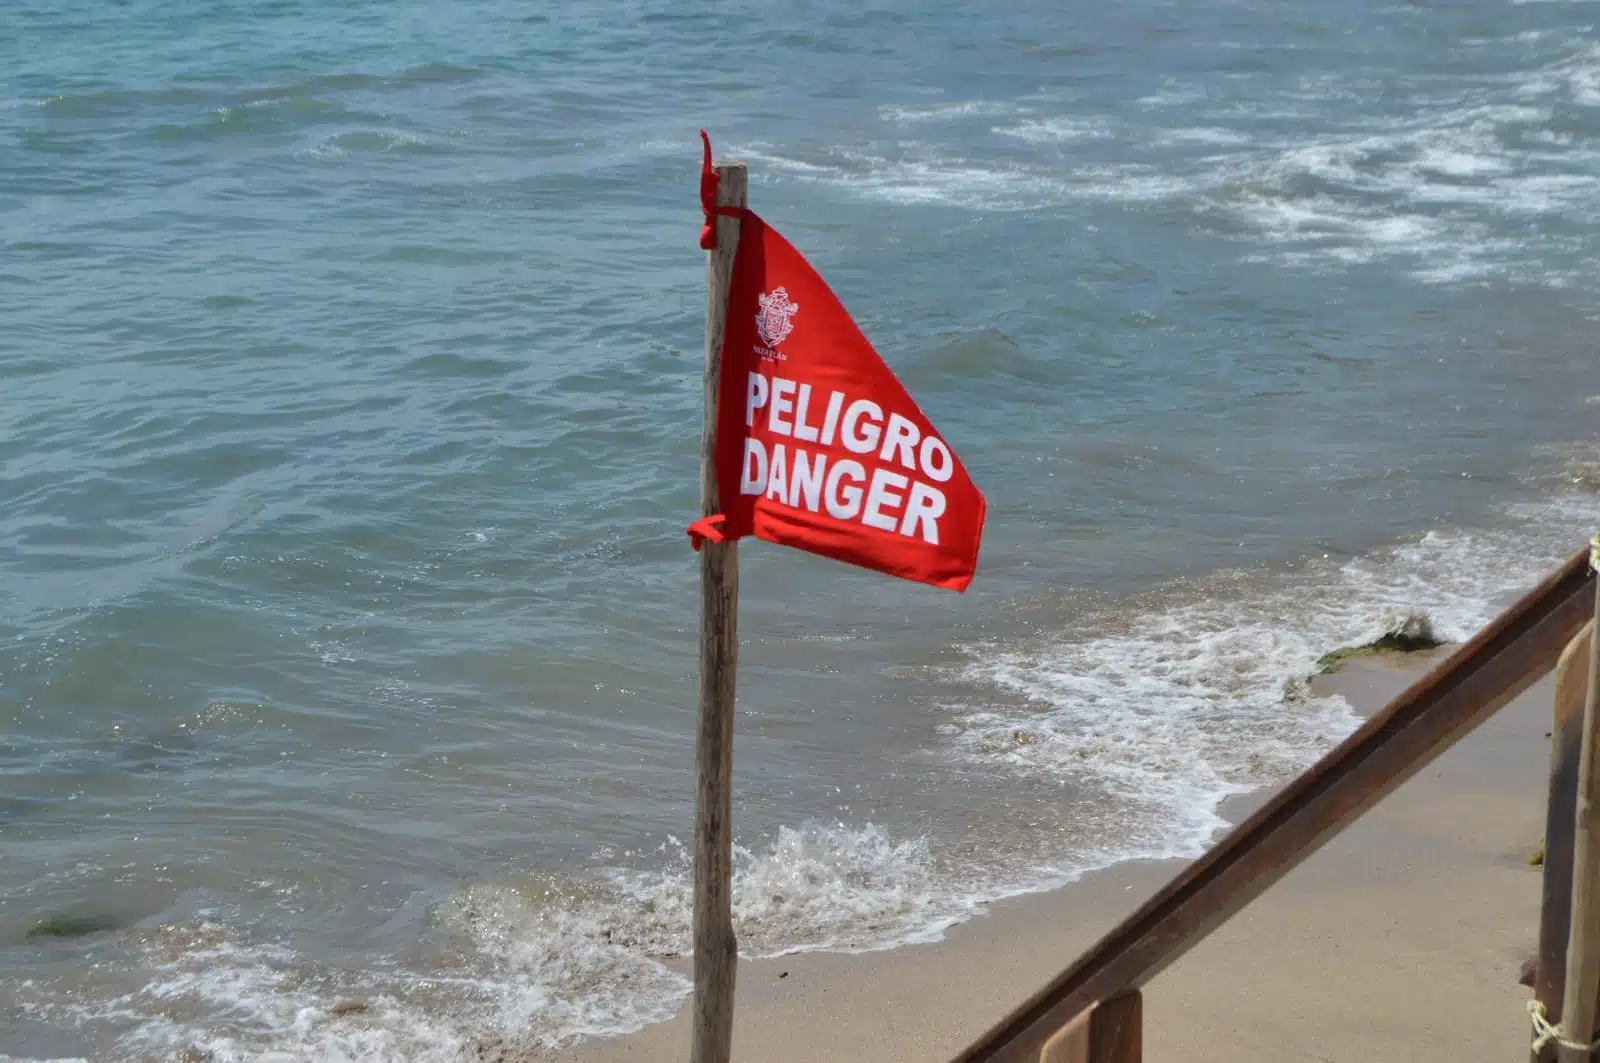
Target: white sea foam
column 915, row 178
column 944, row 112
column 1173, row 707
column 1432, row 198
column 538, row 963
column 332, row 651
column 1059, row 130
column 1430, row 190
column 1452, row 161
column 920, row 177
column 1182, row 708
column 1129, row 184
column 816, row 886
column 1326, row 217
column 957, row 184
column 362, row 141
column 538, row 974
column 1173, row 93
column 792, row 166
column 1210, row 135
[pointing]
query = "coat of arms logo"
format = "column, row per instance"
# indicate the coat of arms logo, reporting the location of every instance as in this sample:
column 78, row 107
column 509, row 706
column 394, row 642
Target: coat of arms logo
column 773, row 321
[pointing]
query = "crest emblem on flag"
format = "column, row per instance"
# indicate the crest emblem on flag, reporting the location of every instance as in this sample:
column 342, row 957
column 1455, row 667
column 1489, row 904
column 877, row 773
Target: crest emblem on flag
column 773, row 320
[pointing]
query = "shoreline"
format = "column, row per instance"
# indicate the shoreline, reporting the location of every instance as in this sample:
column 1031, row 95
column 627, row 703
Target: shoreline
column 1423, row 908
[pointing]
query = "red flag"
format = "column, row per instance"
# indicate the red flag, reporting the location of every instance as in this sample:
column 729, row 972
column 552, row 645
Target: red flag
column 819, row 447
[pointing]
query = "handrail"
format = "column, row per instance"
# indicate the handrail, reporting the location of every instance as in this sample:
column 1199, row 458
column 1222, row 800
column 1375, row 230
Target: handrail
column 1500, row 662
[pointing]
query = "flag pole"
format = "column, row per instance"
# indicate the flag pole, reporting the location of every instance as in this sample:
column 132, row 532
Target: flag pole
column 716, row 952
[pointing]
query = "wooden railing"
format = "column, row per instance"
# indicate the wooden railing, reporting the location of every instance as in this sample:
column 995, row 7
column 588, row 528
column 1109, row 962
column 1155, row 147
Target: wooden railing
column 1549, row 974
column 1092, row 1011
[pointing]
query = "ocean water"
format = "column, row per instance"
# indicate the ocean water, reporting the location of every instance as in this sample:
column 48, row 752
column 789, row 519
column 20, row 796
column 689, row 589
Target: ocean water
column 349, row 414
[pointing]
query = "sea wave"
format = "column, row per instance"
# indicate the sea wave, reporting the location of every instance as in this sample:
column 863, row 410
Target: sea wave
column 1169, row 705
column 1443, row 188
column 1146, row 713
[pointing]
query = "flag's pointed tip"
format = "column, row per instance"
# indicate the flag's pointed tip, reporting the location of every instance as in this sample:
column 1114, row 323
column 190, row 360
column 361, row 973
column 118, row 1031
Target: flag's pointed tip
column 708, row 197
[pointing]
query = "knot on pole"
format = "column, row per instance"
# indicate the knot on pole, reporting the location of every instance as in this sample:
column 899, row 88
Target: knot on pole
column 709, row 179
column 1594, row 553
column 1545, row 1033
column 706, row 529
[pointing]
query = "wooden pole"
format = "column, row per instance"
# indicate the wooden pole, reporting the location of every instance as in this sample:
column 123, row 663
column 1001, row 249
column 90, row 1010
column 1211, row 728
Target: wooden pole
column 716, row 952
column 1583, row 941
column 1555, row 908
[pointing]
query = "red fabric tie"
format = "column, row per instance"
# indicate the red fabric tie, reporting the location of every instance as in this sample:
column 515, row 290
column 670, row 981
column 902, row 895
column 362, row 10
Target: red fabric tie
column 709, row 179
column 705, row 530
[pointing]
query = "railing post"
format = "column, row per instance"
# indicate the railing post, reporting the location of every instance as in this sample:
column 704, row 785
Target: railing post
column 1070, row 1044
column 1116, row 1029
column 1583, row 936
column 1560, row 827
column 1110, row 1032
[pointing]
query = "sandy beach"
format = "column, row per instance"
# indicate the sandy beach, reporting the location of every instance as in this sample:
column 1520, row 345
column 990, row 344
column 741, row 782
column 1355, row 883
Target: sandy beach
column 1403, row 935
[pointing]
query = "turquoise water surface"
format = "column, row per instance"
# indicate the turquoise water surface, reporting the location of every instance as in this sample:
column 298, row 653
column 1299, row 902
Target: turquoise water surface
column 350, row 358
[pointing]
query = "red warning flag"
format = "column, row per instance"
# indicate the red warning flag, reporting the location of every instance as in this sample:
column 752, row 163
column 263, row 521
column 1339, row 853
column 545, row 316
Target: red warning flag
column 819, row 446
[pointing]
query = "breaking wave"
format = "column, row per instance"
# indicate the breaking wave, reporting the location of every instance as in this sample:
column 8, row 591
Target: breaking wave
column 1144, row 715
column 1444, row 190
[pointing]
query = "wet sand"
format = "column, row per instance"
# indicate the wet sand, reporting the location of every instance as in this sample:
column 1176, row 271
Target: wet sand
column 1402, row 936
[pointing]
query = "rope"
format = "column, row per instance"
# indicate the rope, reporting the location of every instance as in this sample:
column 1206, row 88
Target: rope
column 1545, row 1033
column 1594, row 553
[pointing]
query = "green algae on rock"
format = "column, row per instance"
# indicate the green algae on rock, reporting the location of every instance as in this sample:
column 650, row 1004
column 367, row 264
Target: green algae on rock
column 1413, row 634
column 74, row 926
